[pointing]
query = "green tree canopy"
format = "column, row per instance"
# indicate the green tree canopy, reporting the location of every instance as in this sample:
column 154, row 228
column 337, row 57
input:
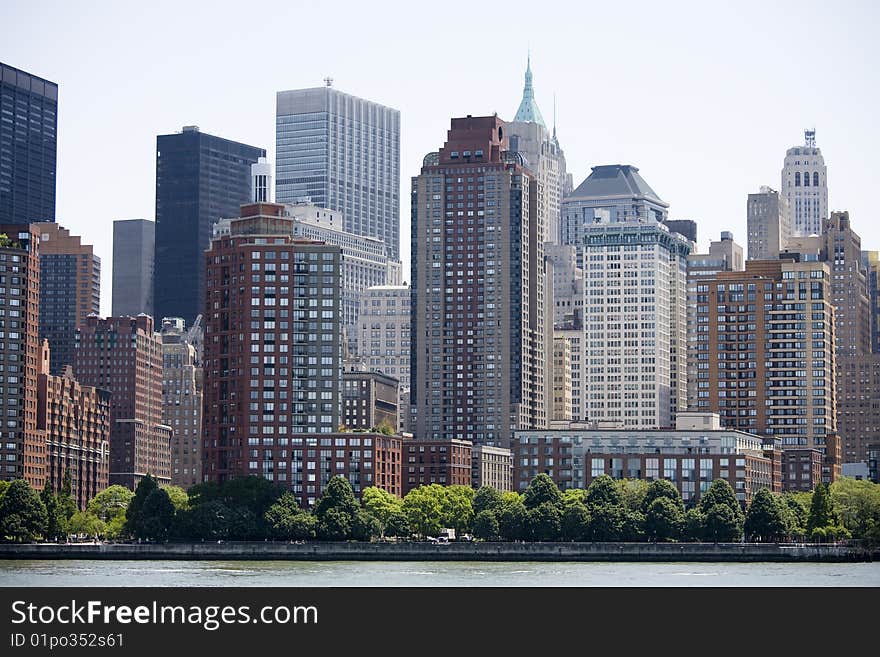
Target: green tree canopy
column 84, row 522
column 156, row 517
column 423, row 507
column 722, row 524
column 208, row 521
column 664, row 517
column 633, row 492
column 694, row 525
column 179, row 497
column 22, row 513
column 56, row 520
column 766, row 518
column 335, row 524
column 857, row 504
column 512, row 518
column 821, row 510
column 381, row 504
column 487, row 499
column 720, row 492
column 365, row 526
column 339, row 495
column 544, row 522
column 486, row 526
column 134, row 523
column 604, row 490
column 398, row 525
column 662, row 488
column 110, row 502
column 541, row 490
column 572, row 495
column 457, row 508
column 798, row 507
column 281, row 517
column 575, row 522
column 65, row 497
column 606, row 520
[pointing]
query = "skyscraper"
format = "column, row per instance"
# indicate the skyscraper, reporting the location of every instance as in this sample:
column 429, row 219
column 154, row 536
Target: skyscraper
column 804, row 187
column 477, row 333
column 124, row 355
column 133, row 252
column 768, row 224
column 635, row 317
column 871, row 262
column 273, row 350
column 529, row 136
column 70, row 290
column 343, row 153
column 22, row 446
column 200, row 178
column 28, row 145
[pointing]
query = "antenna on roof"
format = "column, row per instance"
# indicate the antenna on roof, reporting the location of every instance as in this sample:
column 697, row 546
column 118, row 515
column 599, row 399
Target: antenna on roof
column 554, row 115
column 328, row 81
column 810, row 138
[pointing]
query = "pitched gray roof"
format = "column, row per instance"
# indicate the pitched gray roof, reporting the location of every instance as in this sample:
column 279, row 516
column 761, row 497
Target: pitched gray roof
column 614, row 180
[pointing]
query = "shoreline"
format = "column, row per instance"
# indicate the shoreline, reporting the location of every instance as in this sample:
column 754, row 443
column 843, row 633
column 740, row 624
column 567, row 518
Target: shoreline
column 417, row 551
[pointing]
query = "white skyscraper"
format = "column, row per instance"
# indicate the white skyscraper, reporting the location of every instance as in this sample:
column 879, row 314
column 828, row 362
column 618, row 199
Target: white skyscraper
column 804, row 187
column 343, row 153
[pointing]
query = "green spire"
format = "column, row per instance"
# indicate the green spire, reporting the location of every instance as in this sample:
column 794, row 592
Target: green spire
column 528, row 111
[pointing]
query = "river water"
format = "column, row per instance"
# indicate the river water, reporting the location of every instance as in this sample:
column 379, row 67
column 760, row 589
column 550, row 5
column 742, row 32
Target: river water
column 430, row 573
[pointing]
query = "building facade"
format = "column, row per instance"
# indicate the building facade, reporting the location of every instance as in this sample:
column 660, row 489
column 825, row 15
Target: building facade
column 22, row 445
column 568, row 285
column 369, row 400
column 690, row 459
column 383, row 338
column 492, row 466
column 133, row 260
column 182, row 397
column 764, row 348
column 28, row 146
column 342, row 153
column 562, row 387
column 805, row 187
column 200, row 178
column 871, row 263
column 478, row 326
column 75, row 421
column 767, row 224
column 124, row 356
column 859, row 408
column 273, row 343
column 70, row 290
column 444, row 462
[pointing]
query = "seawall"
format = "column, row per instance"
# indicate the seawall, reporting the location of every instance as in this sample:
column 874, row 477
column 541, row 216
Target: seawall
column 415, row 551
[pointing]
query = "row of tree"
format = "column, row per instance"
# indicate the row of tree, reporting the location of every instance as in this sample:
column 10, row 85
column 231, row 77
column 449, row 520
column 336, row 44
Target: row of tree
column 253, row 508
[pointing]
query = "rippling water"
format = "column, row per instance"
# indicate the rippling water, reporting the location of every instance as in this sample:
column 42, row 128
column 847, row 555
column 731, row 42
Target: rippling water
column 399, row 573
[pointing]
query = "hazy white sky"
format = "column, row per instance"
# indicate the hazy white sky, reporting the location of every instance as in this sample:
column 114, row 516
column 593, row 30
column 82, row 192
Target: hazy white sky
column 703, row 97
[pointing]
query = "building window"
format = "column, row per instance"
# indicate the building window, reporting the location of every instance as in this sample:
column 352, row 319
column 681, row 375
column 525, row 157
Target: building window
column 797, row 178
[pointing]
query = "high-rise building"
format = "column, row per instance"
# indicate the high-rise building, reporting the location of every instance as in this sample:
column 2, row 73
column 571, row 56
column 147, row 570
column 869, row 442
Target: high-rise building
column 383, row 338
column 768, row 224
column 804, row 187
column 124, row 355
column 22, row 445
column 273, row 344
column 70, row 290
column 611, row 194
column 686, row 227
column 568, row 285
column 871, row 263
column 765, row 350
column 369, row 400
column 528, row 135
column 133, row 253
column 75, row 421
column 262, row 190
column 342, row 153
column 200, row 178
column 635, row 316
column 492, row 466
column 478, row 346
column 182, row 394
column 578, row 363
column 561, row 379
column 858, row 409
column 28, row 147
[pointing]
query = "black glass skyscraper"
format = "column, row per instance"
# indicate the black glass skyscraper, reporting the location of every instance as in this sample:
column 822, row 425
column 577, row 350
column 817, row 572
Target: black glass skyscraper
column 28, row 140
column 200, row 179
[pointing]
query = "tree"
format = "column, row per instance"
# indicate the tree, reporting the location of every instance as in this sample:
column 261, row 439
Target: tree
column 3, row 486
column 281, row 517
column 664, row 518
column 720, row 492
column 178, row 496
column 110, row 502
column 338, row 495
column 335, row 524
column 134, row 511
column 857, row 504
column 381, row 504
column 365, row 526
column 486, row 526
column 797, row 507
column 83, row 522
column 662, row 488
column 633, row 525
column 384, row 427
column 766, row 518
column 632, row 492
column 156, row 517
column 398, row 525
column 56, row 520
column 303, row 527
column 544, row 522
column 512, row 518
column 424, row 509
column 575, row 522
column 606, row 520
column 65, row 497
column 22, row 513
column 457, row 507
column 487, row 499
column 694, row 525
column 574, row 495
column 208, row 521
column 542, row 490
column 722, row 524
column 604, row 490
column 821, row 510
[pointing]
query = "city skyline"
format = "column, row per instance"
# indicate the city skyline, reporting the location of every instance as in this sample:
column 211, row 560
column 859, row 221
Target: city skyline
column 710, row 122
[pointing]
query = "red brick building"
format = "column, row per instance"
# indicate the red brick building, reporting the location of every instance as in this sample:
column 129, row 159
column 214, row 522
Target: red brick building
column 801, row 469
column 444, row 462
column 75, row 420
column 124, row 355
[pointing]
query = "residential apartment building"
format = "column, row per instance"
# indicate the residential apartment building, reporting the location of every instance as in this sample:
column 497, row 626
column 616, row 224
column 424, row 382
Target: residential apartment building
column 133, row 261
column 445, row 462
column 562, row 387
column 768, row 224
column 492, row 466
column 369, row 400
